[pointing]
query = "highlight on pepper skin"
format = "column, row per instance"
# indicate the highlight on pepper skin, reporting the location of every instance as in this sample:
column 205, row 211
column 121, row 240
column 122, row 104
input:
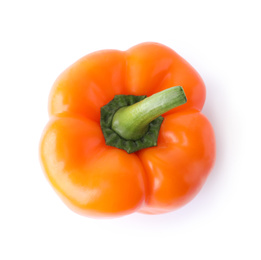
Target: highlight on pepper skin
column 126, row 133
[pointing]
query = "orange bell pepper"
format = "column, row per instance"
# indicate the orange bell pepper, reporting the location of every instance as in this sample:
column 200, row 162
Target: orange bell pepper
column 96, row 179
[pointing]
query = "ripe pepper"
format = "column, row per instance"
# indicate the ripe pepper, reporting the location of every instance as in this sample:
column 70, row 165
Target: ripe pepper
column 107, row 151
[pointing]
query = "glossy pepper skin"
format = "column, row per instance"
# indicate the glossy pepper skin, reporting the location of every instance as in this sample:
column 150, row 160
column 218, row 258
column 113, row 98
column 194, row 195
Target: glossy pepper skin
column 98, row 180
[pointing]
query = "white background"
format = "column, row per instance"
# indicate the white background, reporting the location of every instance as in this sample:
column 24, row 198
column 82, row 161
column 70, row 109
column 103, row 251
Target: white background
column 221, row 39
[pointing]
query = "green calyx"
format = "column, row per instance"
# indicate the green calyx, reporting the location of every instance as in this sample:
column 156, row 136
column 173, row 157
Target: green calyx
column 132, row 123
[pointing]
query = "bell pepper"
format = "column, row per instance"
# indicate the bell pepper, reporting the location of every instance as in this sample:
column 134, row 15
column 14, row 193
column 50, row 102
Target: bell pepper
column 126, row 133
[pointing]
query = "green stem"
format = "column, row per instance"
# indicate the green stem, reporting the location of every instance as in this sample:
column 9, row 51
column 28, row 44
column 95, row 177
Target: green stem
column 132, row 122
